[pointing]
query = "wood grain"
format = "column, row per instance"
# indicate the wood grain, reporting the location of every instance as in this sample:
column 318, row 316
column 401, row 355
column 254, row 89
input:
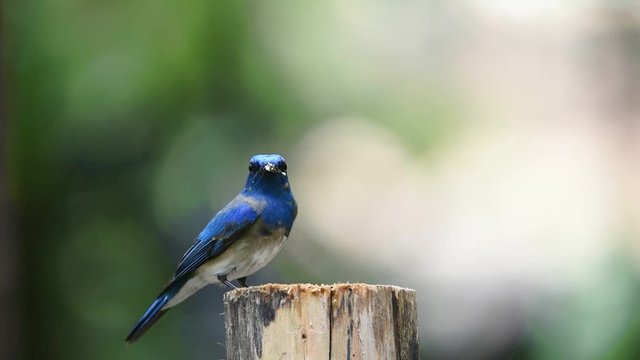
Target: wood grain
column 303, row 321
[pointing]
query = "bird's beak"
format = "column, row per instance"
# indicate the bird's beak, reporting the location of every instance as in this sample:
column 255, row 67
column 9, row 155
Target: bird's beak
column 271, row 168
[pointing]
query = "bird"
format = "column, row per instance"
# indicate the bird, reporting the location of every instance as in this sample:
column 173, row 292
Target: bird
column 238, row 241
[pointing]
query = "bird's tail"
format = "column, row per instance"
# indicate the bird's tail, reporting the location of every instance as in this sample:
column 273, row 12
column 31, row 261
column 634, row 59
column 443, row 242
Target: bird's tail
column 154, row 312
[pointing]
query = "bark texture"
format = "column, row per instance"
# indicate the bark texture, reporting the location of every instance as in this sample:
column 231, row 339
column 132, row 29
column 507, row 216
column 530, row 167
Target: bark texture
column 303, row 321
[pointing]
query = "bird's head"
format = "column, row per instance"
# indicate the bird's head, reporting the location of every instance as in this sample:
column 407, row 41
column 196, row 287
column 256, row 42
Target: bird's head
column 267, row 172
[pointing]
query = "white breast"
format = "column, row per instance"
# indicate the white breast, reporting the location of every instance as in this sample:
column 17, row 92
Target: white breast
column 243, row 258
column 246, row 256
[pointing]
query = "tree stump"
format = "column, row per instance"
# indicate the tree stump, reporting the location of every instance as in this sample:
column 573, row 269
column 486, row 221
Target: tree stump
column 304, row 321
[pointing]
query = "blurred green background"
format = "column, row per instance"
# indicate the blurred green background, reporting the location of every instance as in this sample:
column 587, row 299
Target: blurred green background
column 484, row 153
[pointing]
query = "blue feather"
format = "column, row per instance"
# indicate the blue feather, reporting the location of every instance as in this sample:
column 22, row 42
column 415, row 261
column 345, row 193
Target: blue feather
column 154, row 312
column 266, row 201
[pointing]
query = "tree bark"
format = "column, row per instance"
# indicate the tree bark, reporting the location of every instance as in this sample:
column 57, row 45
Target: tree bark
column 302, row 321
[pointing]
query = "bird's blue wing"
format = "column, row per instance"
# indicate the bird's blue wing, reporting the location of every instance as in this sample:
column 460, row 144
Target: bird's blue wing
column 229, row 224
column 226, row 227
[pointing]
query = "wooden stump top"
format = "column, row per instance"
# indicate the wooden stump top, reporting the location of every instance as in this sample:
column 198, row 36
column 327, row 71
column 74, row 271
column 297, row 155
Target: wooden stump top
column 306, row 321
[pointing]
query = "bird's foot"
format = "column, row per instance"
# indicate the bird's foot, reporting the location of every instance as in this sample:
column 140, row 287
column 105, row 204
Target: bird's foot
column 223, row 279
column 243, row 281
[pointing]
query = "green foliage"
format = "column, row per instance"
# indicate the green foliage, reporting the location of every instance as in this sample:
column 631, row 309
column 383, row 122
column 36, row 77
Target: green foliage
column 124, row 114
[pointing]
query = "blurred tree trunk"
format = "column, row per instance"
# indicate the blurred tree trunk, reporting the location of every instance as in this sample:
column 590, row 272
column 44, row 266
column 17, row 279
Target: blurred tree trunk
column 8, row 258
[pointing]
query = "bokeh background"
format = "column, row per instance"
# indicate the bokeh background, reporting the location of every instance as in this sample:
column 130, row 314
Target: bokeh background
column 485, row 153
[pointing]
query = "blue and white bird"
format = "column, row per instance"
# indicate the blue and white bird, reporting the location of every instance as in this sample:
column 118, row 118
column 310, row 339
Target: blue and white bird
column 238, row 241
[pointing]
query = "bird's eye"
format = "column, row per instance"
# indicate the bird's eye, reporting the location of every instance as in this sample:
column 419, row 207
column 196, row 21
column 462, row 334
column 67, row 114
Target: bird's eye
column 282, row 166
column 253, row 167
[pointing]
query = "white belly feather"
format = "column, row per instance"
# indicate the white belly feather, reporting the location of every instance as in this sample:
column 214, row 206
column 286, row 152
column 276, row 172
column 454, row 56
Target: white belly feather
column 246, row 256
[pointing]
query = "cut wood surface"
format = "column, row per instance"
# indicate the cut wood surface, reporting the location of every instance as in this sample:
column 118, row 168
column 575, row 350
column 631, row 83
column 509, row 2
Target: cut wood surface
column 304, row 321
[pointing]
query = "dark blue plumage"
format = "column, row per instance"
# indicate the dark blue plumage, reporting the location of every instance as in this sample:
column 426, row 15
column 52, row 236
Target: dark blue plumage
column 239, row 240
